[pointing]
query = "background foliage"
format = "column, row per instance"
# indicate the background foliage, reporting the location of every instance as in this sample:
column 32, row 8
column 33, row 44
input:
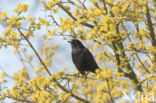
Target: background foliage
column 122, row 33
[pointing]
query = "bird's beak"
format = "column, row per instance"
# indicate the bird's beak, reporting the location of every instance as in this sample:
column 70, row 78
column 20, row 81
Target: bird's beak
column 70, row 42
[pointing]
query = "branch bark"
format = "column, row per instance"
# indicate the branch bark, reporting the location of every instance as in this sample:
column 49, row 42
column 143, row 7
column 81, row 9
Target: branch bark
column 150, row 26
column 118, row 46
column 151, row 29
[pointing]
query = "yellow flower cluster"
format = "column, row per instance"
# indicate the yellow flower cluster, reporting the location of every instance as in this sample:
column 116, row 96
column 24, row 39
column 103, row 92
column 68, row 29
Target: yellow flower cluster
column 38, row 89
column 21, row 7
column 10, row 37
column 109, row 88
column 3, row 73
column 51, row 32
column 51, row 3
column 3, row 15
column 31, row 20
column 48, row 52
column 131, row 46
column 151, row 49
column 43, row 22
column 116, row 10
column 67, row 24
column 13, row 21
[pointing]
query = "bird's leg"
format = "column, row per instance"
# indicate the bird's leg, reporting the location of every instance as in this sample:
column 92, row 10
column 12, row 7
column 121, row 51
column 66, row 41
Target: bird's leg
column 78, row 75
column 86, row 75
column 83, row 74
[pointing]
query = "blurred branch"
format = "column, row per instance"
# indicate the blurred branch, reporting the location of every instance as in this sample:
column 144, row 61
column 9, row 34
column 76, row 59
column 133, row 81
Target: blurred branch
column 21, row 59
column 54, row 20
column 19, row 100
column 118, row 46
column 71, row 2
column 136, row 53
column 151, row 29
column 96, row 5
column 29, row 62
column 85, row 24
column 34, row 51
column 70, row 14
column 109, row 91
column 76, row 76
column 104, row 4
column 82, row 3
column 137, row 28
column 150, row 26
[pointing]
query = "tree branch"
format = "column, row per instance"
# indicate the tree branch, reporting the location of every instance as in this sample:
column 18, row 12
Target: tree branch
column 104, row 4
column 136, row 53
column 151, row 29
column 109, row 91
column 85, row 24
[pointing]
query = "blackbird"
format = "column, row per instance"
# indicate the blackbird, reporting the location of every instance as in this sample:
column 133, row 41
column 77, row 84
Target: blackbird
column 82, row 58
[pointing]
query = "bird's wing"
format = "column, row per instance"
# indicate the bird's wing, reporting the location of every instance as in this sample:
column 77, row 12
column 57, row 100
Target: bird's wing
column 84, row 60
column 90, row 61
column 77, row 58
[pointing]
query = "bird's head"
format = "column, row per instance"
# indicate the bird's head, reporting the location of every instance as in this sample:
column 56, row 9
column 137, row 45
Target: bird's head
column 76, row 43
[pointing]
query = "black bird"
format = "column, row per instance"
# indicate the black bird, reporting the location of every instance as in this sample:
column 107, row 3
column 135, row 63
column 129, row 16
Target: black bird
column 82, row 58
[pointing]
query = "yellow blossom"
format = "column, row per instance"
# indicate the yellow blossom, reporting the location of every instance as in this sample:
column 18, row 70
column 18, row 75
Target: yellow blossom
column 16, row 77
column 3, row 15
column 115, row 10
column 3, row 74
column 36, row 69
column 76, row 12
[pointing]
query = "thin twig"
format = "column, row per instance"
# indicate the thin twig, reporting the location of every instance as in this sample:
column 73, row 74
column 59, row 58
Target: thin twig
column 136, row 53
column 75, row 19
column 104, row 4
column 54, row 20
column 69, row 75
column 34, row 51
column 109, row 91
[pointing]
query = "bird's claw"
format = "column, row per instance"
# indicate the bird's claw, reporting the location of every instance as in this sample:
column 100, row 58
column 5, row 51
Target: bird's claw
column 85, row 77
column 76, row 75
